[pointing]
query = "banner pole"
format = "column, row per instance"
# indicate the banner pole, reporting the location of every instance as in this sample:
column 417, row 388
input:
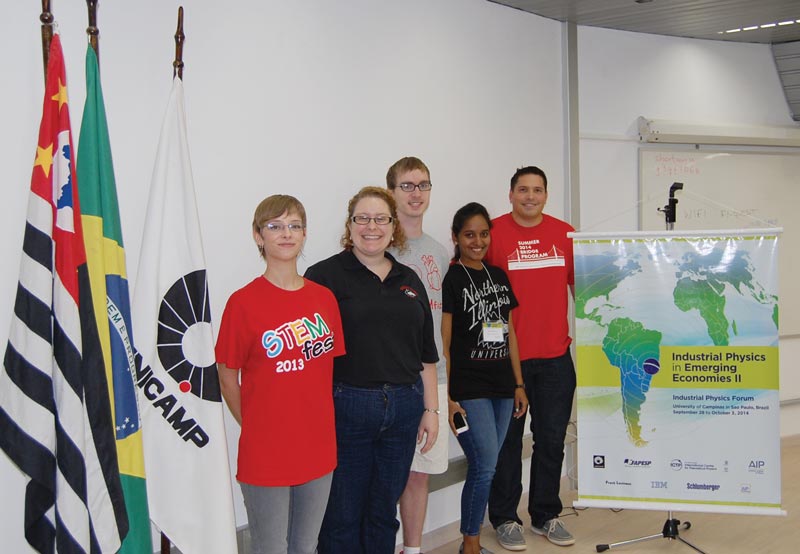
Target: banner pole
column 92, row 29
column 177, row 65
column 47, row 33
column 177, row 68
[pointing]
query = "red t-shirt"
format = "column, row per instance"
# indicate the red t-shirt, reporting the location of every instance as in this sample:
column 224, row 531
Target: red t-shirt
column 538, row 262
column 284, row 343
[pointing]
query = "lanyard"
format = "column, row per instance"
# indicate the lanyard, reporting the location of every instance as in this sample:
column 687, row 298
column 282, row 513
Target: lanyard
column 494, row 288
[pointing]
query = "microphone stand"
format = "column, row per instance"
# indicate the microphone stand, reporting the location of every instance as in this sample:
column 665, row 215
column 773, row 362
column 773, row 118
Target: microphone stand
column 670, row 212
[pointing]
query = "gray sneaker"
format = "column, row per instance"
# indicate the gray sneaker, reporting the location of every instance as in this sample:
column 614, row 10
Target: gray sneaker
column 509, row 535
column 554, row 531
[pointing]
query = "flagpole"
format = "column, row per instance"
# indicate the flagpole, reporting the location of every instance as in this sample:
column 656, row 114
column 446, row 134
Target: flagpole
column 47, row 33
column 177, row 69
column 92, row 29
column 177, row 65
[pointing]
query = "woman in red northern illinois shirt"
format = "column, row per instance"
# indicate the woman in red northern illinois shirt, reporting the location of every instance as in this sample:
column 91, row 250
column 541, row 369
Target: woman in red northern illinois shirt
column 280, row 333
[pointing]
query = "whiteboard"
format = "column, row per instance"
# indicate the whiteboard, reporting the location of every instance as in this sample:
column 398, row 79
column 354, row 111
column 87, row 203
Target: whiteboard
column 730, row 189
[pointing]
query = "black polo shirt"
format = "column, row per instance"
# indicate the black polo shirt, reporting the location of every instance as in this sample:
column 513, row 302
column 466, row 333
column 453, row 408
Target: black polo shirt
column 388, row 327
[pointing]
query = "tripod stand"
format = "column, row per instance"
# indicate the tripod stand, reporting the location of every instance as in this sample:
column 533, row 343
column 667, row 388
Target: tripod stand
column 670, row 532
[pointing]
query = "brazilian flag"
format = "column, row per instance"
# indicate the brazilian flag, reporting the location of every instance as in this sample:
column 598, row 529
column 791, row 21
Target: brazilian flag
column 106, row 259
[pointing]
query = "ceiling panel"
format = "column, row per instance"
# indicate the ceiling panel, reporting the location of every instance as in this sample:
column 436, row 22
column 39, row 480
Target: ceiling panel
column 683, row 18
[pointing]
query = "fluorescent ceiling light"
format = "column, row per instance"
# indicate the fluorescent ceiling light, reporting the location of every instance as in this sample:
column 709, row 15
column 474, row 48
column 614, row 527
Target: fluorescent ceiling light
column 764, row 26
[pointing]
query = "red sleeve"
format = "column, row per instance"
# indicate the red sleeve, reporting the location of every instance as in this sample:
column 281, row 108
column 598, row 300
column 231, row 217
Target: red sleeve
column 569, row 260
column 229, row 350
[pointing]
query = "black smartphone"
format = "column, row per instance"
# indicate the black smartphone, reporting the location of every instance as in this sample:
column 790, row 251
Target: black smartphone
column 460, row 423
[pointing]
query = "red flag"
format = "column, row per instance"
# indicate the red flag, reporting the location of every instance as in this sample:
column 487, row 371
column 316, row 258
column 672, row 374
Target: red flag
column 55, row 417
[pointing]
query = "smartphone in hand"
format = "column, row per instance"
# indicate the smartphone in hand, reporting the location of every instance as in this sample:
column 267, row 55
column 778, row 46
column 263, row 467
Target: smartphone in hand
column 460, row 423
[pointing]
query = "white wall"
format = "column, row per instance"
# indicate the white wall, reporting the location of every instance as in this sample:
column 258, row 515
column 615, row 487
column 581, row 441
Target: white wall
column 308, row 97
column 625, row 75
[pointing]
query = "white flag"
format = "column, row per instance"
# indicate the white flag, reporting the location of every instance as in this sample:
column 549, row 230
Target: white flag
column 185, row 450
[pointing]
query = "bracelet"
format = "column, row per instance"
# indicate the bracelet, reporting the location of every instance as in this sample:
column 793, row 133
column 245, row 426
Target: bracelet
column 436, row 411
column 522, row 386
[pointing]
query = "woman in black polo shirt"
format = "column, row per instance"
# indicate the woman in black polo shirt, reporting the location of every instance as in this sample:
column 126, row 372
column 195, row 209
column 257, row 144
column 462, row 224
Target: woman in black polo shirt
column 382, row 407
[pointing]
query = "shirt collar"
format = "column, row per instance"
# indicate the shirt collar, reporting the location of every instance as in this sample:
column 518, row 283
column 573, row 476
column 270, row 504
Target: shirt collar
column 351, row 263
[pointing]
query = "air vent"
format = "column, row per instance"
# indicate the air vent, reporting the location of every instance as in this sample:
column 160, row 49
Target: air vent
column 787, row 61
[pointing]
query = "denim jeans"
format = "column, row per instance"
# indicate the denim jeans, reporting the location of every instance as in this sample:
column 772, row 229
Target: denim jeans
column 286, row 520
column 488, row 420
column 376, row 430
column 550, row 386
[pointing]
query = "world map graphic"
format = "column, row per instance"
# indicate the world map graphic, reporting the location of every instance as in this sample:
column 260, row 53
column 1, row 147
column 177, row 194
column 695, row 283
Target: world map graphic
column 634, row 296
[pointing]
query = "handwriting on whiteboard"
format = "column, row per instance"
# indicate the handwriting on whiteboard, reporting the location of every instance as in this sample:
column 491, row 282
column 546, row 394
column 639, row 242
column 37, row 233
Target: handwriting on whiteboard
column 675, row 165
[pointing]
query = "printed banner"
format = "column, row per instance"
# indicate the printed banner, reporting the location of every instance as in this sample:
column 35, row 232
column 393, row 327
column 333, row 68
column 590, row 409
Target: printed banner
column 677, row 364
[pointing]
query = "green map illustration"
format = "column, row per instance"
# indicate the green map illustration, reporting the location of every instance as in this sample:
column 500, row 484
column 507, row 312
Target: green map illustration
column 634, row 296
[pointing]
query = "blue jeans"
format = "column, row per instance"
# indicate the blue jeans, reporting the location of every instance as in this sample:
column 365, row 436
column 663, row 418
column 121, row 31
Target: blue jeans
column 488, row 420
column 376, row 430
column 286, row 520
column 550, row 386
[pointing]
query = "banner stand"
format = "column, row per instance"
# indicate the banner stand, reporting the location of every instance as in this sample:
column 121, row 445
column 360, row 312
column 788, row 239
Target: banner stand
column 671, row 527
column 669, row 532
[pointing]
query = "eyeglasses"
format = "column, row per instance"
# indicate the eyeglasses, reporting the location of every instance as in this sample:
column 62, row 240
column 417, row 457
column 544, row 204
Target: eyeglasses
column 409, row 187
column 378, row 219
column 279, row 227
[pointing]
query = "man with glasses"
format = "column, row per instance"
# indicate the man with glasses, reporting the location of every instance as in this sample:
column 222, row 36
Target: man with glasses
column 409, row 181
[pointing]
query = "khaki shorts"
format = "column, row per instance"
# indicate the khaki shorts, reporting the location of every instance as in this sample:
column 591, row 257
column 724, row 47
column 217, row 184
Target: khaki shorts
column 435, row 460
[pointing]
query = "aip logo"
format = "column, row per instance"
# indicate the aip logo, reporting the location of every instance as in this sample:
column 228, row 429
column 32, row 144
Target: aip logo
column 757, row 466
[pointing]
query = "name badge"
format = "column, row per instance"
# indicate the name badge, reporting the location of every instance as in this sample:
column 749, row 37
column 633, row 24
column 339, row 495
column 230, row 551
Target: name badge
column 493, row 331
